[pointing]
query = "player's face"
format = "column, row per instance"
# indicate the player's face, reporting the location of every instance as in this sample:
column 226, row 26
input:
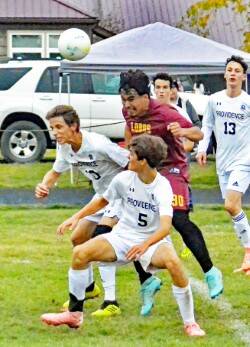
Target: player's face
column 162, row 91
column 174, row 94
column 62, row 132
column 234, row 74
column 134, row 162
column 135, row 104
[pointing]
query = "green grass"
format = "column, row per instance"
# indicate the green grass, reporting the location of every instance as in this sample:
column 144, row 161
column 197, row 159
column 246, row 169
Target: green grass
column 33, row 279
column 28, row 175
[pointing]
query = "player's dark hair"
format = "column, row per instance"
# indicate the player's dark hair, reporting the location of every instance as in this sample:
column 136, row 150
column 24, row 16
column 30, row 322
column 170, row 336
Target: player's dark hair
column 67, row 112
column 238, row 60
column 149, row 147
column 163, row 76
column 137, row 80
column 175, row 85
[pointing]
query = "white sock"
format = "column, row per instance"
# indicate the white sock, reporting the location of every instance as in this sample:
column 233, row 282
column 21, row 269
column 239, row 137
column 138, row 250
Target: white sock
column 107, row 273
column 185, row 302
column 91, row 274
column 242, row 228
column 78, row 282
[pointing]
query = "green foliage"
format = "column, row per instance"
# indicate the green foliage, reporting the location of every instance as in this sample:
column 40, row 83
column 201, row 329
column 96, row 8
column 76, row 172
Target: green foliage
column 33, row 274
column 200, row 15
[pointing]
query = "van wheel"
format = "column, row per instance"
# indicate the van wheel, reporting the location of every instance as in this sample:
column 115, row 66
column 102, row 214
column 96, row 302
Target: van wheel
column 23, row 142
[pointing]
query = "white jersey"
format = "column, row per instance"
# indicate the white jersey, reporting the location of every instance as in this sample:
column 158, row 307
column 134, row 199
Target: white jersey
column 99, row 159
column 143, row 204
column 229, row 118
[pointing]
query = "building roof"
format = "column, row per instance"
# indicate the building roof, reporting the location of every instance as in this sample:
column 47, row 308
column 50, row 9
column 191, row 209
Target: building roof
column 42, row 10
column 119, row 15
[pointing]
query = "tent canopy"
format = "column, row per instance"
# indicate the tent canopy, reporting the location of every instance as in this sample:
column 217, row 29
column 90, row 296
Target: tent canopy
column 156, row 47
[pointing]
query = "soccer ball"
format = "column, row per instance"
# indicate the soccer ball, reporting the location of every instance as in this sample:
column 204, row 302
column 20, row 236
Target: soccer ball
column 74, row 44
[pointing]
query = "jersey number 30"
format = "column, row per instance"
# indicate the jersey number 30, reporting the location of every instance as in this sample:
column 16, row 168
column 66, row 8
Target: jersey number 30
column 229, row 128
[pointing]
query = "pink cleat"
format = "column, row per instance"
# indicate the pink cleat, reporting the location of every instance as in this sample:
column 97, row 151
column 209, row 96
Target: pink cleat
column 246, row 263
column 193, row 329
column 72, row 319
column 245, row 266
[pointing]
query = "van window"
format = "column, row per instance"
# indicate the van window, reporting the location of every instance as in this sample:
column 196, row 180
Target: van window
column 80, row 83
column 105, row 83
column 9, row 76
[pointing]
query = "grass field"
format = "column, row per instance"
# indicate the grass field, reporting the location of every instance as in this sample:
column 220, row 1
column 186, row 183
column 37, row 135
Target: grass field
column 33, row 279
column 28, row 175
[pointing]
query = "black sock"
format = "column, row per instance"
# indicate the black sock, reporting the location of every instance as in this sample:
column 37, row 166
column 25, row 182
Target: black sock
column 109, row 302
column 75, row 304
column 193, row 238
column 143, row 275
column 90, row 287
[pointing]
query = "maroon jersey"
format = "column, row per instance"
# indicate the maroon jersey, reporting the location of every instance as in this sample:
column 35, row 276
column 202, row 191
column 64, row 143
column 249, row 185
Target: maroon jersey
column 156, row 122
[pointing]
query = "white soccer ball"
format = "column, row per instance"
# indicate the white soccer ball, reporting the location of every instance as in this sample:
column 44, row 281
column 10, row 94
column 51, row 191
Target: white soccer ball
column 74, row 44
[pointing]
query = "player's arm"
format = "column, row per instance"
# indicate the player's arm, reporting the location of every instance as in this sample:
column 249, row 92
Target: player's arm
column 43, row 188
column 207, row 129
column 89, row 209
column 164, row 230
column 192, row 133
column 127, row 136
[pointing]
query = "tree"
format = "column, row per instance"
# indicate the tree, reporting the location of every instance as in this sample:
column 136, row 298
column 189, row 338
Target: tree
column 201, row 14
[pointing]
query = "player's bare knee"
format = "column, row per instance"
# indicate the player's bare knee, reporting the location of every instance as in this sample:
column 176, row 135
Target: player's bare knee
column 81, row 256
column 231, row 207
column 173, row 264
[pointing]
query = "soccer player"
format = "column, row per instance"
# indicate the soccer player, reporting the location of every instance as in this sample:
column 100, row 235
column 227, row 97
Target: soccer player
column 141, row 233
column 145, row 115
column 100, row 160
column 228, row 115
column 186, row 105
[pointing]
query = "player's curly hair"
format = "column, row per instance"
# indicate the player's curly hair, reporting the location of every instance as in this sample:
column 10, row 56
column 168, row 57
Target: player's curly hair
column 68, row 113
column 149, row 147
column 163, row 76
column 238, row 60
column 137, row 80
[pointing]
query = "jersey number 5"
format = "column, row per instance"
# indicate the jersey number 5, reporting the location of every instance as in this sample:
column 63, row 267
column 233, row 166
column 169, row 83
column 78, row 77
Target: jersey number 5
column 229, row 128
column 142, row 222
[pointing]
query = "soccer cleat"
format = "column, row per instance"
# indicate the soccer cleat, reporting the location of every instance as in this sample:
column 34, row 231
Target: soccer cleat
column 186, row 253
column 148, row 289
column 245, row 266
column 88, row 295
column 72, row 319
column 193, row 329
column 214, row 281
column 107, row 309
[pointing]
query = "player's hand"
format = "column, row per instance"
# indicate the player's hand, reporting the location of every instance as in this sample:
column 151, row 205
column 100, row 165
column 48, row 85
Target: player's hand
column 175, row 129
column 201, row 158
column 136, row 251
column 68, row 224
column 41, row 191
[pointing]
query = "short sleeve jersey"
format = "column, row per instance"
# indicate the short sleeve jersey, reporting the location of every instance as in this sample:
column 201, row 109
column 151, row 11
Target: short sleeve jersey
column 99, row 159
column 230, row 120
column 155, row 122
column 143, row 204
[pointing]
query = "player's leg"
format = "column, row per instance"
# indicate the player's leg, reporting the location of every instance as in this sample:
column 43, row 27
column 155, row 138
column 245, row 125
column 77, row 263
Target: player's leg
column 193, row 238
column 97, row 249
column 110, row 306
column 82, row 233
column 165, row 257
column 233, row 187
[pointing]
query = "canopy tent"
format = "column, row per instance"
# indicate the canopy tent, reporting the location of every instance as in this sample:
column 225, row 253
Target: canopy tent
column 156, row 47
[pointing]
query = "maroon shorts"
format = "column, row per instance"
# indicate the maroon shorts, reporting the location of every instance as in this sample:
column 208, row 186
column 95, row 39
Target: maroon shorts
column 180, row 190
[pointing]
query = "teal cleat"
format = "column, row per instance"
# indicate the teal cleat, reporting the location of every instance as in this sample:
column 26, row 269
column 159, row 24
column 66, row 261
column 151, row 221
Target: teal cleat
column 148, row 290
column 214, row 282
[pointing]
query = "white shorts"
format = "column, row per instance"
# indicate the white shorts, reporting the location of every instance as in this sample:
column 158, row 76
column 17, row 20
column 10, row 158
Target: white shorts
column 122, row 245
column 111, row 210
column 234, row 180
